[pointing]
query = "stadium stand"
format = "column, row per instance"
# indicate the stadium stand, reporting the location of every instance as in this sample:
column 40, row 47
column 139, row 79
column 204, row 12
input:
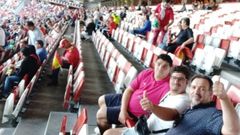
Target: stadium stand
column 216, row 51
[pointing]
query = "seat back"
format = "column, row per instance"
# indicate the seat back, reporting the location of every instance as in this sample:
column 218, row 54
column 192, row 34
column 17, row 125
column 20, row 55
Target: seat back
column 234, row 49
column 130, row 76
column 8, row 108
column 81, row 120
column 219, row 56
column 63, row 125
column 216, row 42
column 20, row 103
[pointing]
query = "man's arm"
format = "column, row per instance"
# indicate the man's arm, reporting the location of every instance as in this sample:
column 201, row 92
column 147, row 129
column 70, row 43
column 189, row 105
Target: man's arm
column 163, row 113
column 189, row 41
column 168, row 25
column 230, row 118
column 231, row 122
column 124, row 105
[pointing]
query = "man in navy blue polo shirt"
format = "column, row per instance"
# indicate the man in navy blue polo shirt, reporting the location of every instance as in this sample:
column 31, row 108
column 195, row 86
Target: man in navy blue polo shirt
column 203, row 118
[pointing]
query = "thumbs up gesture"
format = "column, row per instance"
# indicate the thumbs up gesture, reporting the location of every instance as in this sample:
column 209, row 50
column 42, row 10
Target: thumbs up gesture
column 146, row 103
column 218, row 89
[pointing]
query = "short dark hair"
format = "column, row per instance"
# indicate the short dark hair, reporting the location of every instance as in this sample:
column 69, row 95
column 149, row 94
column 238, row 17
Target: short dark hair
column 210, row 82
column 166, row 58
column 167, row 1
column 25, row 51
column 32, row 49
column 30, row 24
column 40, row 42
column 182, row 69
column 186, row 20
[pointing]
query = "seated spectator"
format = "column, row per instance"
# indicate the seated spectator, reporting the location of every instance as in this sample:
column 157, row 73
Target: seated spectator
column 195, row 4
column 211, row 6
column 183, row 8
column 41, row 51
column 203, row 118
column 174, row 103
column 116, row 18
column 90, row 27
column 33, row 54
column 29, row 66
column 54, row 34
column 117, row 108
column 146, row 27
column 111, row 26
column 70, row 57
column 184, row 38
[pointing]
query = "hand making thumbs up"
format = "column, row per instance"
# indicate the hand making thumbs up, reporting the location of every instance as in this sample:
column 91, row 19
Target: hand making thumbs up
column 218, row 89
column 146, row 103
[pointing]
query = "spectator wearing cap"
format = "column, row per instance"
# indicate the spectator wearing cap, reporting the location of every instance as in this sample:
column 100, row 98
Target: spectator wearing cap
column 29, row 66
column 41, row 50
column 70, row 57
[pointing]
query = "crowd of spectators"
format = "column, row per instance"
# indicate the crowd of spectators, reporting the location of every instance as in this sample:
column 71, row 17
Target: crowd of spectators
column 31, row 32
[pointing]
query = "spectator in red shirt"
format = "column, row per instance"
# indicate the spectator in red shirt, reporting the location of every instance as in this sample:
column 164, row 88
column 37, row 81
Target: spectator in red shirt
column 112, row 25
column 69, row 57
column 164, row 13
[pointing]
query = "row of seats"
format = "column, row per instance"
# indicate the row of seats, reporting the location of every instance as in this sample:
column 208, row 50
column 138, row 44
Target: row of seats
column 76, row 78
column 66, row 3
column 74, row 87
column 80, row 127
column 143, row 51
column 120, row 71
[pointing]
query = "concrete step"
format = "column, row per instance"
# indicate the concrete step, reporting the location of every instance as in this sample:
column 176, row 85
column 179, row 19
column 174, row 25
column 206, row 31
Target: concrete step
column 6, row 131
column 55, row 120
column 92, row 110
column 30, row 126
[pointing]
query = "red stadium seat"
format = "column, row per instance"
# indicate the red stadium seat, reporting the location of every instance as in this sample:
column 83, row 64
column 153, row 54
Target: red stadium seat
column 63, row 125
column 130, row 123
column 225, row 43
column 81, row 120
column 78, row 86
column 199, row 43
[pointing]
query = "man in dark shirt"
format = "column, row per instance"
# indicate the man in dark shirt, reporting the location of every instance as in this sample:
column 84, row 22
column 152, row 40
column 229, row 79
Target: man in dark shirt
column 203, row 118
column 88, row 30
column 29, row 66
column 184, row 38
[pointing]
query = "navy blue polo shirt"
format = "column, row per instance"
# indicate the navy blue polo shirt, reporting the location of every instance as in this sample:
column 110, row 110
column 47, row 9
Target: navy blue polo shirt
column 203, row 119
column 184, row 35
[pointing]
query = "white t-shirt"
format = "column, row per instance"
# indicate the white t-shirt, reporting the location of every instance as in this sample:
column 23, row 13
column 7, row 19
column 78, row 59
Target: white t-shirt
column 2, row 37
column 238, row 110
column 35, row 35
column 179, row 102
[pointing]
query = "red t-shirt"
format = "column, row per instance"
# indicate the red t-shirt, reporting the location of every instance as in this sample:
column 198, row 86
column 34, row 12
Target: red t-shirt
column 111, row 26
column 72, row 56
column 168, row 16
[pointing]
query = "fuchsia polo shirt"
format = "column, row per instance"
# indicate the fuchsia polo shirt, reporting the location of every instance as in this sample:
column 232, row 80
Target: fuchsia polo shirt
column 155, row 90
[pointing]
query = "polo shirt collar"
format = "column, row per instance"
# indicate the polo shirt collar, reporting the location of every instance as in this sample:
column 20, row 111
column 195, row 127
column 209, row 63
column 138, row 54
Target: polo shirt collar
column 206, row 105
